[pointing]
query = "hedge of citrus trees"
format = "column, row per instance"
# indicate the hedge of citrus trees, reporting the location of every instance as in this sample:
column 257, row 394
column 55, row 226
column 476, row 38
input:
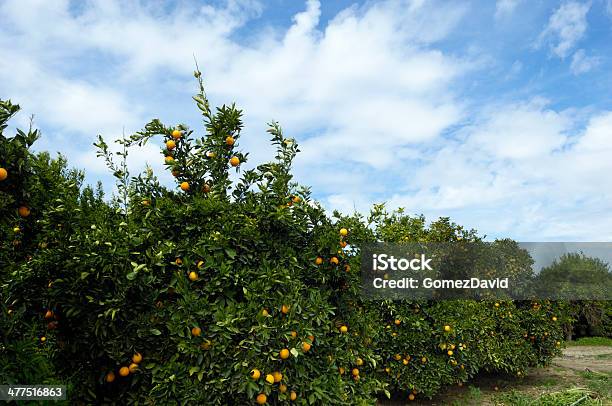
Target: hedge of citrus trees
column 219, row 292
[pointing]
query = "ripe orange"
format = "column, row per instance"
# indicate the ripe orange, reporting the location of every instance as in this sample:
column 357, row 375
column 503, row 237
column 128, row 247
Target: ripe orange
column 334, row 260
column 234, row 161
column 3, row 174
column 447, row 328
column 293, row 396
column 42, row 339
column 405, row 361
column 24, row 211
column 277, row 376
column 262, row 399
column 110, row 377
column 359, row 361
column 293, row 334
column 341, row 370
column 282, row 388
column 305, row 346
column 49, row 314
column 343, row 329
column 185, row 186
column 170, row 145
column 193, row 276
column 137, row 358
column 169, row 159
column 424, row 360
column 411, row 397
column 355, row 372
column 177, row 134
column 397, row 357
column 146, row 202
column 255, row 374
column 554, row 318
column 230, row 140
column 343, row 232
column 319, row 261
column 124, row 371
column 270, row 378
column 284, row 309
column 284, row 353
column 347, row 268
column 311, row 338
column 196, row 331
column 178, row 261
column 133, row 367
column 449, row 352
column 296, row 199
column 398, row 322
column 496, row 304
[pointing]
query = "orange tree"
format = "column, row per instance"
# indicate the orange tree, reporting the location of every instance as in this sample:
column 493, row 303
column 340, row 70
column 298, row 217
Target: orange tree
column 221, row 292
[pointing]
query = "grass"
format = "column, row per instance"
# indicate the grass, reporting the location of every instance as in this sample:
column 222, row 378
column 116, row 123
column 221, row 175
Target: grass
column 574, row 396
column 599, row 341
column 472, row 397
column 599, row 382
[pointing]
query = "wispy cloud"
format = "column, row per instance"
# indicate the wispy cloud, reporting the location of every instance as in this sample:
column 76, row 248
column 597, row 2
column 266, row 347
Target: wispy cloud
column 566, row 27
column 581, row 63
column 505, row 8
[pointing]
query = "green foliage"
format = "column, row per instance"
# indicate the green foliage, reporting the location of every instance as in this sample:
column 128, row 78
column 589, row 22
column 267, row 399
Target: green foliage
column 576, row 273
column 256, row 265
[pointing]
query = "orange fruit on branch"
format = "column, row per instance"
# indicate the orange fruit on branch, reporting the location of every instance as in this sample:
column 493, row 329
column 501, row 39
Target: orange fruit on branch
column 177, row 134
column 3, row 174
column 24, row 211
column 185, row 186
column 284, row 353
column 170, row 145
column 235, row 161
column 255, row 374
column 124, row 371
column 262, row 399
column 230, row 140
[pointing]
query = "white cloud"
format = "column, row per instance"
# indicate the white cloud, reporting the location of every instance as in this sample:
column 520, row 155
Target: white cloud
column 566, row 27
column 369, row 80
column 581, row 63
column 371, row 96
column 504, row 8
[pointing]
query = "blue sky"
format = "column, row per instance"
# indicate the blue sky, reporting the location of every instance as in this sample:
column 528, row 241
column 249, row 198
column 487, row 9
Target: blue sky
column 497, row 114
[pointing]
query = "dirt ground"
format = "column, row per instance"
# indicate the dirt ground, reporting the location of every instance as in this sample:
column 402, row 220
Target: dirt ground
column 584, row 367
